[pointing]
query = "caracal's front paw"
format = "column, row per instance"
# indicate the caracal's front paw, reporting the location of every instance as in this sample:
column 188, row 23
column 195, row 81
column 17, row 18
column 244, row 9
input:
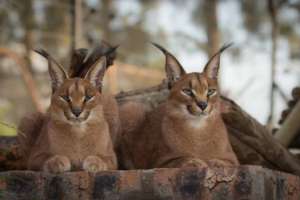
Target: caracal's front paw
column 94, row 164
column 218, row 163
column 57, row 164
column 194, row 162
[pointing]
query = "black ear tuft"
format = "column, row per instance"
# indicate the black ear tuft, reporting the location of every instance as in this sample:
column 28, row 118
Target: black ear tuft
column 224, row 47
column 79, row 69
column 174, row 69
column 46, row 55
column 42, row 52
column 211, row 69
column 78, row 56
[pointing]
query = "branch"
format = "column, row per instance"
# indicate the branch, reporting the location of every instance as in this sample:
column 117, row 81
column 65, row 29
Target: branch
column 290, row 127
column 272, row 8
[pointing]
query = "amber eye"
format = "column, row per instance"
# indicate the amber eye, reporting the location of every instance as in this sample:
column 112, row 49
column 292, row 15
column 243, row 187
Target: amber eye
column 187, row 91
column 210, row 92
column 66, row 98
column 87, row 98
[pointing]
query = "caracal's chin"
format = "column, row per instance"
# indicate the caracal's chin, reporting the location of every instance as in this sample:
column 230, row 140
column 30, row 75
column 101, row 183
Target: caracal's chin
column 84, row 117
column 77, row 120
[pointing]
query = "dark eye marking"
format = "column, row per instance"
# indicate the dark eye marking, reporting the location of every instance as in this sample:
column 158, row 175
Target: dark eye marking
column 88, row 97
column 66, row 98
column 211, row 92
column 188, row 92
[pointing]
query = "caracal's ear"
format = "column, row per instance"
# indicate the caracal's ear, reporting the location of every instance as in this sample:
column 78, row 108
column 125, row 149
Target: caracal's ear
column 211, row 69
column 56, row 71
column 96, row 73
column 174, row 69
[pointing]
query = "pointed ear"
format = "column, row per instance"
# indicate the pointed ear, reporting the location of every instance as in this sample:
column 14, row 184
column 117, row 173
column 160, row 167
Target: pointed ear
column 174, row 69
column 56, row 71
column 96, row 73
column 211, row 69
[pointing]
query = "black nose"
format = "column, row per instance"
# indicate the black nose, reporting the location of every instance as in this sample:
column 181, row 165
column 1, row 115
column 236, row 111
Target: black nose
column 202, row 105
column 76, row 111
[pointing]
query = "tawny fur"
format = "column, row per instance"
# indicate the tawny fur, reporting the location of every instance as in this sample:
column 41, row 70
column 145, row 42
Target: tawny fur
column 28, row 130
column 177, row 133
column 132, row 117
column 64, row 142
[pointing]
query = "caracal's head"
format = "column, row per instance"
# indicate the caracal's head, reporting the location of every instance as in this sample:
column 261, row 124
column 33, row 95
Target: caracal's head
column 75, row 100
column 192, row 94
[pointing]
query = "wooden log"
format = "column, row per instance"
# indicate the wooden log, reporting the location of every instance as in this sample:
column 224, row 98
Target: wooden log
column 244, row 182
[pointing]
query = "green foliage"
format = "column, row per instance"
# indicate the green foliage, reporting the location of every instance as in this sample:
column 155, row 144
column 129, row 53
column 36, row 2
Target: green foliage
column 6, row 129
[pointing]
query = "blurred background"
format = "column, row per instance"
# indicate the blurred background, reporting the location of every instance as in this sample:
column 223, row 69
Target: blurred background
column 258, row 71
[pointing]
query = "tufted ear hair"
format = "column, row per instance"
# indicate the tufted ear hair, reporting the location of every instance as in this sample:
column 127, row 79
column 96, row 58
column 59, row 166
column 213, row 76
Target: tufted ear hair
column 77, row 60
column 96, row 73
column 211, row 69
column 56, row 71
column 174, row 69
column 82, row 60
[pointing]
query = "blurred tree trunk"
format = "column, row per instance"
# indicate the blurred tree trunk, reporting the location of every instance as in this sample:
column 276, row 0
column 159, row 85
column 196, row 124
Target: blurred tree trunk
column 76, row 24
column 274, row 33
column 26, row 75
column 27, row 18
column 212, row 29
column 107, row 15
column 56, row 28
column 211, row 26
column 106, row 10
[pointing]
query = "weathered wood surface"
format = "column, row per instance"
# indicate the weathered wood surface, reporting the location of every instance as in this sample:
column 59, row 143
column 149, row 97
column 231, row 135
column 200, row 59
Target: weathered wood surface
column 245, row 182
